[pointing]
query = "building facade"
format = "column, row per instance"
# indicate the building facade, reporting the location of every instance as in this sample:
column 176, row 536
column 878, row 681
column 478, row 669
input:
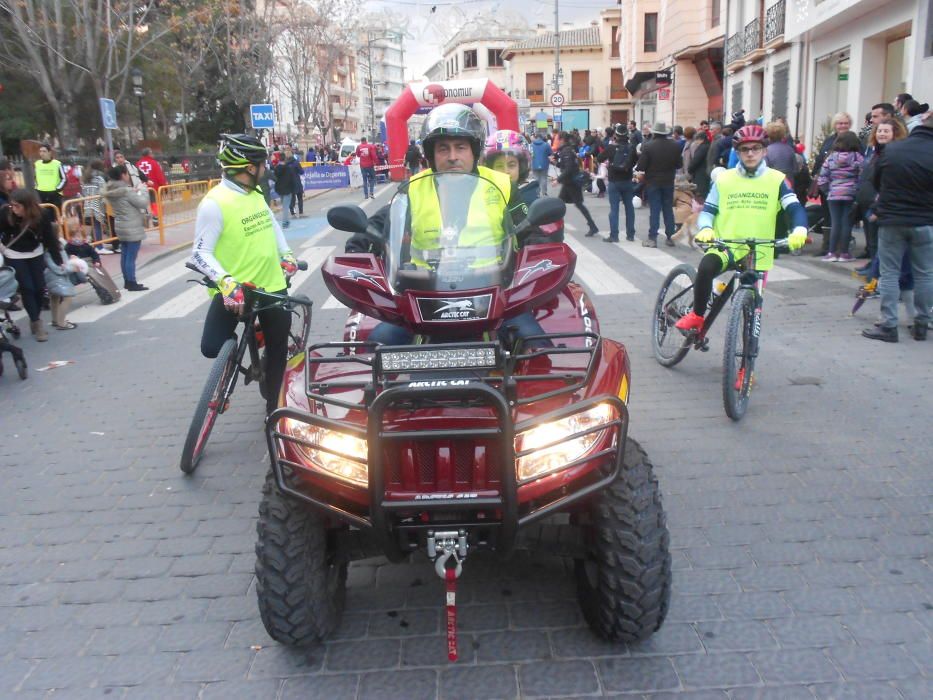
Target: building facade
column 851, row 54
column 672, row 56
column 592, row 85
column 476, row 51
column 381, row 74
column 762, row 68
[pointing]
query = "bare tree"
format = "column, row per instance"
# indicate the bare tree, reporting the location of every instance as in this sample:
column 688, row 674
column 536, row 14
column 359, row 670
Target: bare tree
column 69, row 45
column 315, row 43
column 244, row 51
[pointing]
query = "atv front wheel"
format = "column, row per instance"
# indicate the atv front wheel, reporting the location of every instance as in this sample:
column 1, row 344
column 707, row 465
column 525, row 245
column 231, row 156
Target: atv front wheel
column 624, row 583
column 300, row 585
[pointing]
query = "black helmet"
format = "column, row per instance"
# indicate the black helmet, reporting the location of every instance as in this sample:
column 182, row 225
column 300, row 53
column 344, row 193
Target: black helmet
column 452, row 120
column 237, row 151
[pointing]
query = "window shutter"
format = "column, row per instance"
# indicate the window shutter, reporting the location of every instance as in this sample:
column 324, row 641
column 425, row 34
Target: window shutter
column 737, row 90
column 779, row 89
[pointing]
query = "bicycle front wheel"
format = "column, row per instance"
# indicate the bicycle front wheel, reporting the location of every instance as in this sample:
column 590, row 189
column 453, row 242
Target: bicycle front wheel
column 209, row 406
column 674, row 301
column 738, row 365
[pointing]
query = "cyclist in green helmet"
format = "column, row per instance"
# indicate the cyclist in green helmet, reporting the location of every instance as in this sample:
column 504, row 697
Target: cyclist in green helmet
column 237, row 241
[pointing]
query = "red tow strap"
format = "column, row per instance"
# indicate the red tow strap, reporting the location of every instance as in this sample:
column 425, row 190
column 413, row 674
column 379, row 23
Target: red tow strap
column 451, row 580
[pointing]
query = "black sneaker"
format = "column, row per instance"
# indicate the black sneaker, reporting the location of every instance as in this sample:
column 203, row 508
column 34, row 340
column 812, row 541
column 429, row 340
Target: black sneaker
column 883, row 333
column 592, row 232
column 611, row 240
column 919, row 331
column 136, row 287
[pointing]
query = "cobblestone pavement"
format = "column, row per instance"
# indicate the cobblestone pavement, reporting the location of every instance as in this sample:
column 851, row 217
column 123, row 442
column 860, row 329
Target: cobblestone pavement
column 800, row 536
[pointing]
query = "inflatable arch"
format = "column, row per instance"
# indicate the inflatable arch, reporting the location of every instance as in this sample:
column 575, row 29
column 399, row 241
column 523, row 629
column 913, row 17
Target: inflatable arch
column 423, row 97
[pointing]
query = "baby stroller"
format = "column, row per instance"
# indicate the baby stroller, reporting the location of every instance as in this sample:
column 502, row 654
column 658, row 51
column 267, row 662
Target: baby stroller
column 8, row 289
column 816, row 221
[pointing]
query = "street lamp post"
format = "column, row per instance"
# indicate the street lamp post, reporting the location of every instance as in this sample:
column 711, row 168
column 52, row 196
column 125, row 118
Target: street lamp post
column 136, row 76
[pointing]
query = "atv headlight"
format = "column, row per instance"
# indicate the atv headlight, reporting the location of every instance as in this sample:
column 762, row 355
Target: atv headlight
column 334, row 453
column 552, row 446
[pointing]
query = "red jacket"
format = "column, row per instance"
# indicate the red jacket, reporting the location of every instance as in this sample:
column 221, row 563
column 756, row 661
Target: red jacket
column 150, row 166
column 367, row 155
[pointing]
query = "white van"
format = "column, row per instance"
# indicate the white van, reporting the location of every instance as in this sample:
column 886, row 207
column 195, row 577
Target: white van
column 347, row 148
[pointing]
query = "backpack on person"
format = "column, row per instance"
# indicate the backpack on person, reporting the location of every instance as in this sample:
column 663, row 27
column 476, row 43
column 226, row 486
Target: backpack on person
column 621, row 161
column 72, row 186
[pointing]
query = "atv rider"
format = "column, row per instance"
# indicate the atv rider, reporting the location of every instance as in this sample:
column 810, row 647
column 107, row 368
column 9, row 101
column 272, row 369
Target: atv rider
column 237, row 240
column 452, row 138
column 742, row 203
column 509, row 152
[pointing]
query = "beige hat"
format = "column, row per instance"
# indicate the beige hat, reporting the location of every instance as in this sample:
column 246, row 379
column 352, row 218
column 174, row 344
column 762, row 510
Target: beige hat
column 661, row 129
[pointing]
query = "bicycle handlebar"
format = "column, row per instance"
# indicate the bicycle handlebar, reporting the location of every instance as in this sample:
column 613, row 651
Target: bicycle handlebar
column 256, row 291
column 750, row 242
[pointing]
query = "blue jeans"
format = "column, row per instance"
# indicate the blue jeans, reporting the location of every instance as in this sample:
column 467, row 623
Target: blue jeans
column 286, row 207
column 661, row 201
column 369, row 181
column 541, row 178
column 841, row 215
column 893, row 243
column 622, row 190
column 128, row 252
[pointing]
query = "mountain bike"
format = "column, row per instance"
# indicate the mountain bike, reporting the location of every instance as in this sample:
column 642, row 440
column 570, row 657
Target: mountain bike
column 246, row 357
column 743, row 332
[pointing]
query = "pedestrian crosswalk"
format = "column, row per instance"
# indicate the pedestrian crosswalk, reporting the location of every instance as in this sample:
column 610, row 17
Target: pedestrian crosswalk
column 607, row 271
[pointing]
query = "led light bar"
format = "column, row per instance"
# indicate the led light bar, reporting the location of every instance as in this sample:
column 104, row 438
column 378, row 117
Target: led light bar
column 475, row 357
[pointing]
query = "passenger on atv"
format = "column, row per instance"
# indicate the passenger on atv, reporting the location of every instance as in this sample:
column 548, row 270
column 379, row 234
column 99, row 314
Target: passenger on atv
column 452, row 138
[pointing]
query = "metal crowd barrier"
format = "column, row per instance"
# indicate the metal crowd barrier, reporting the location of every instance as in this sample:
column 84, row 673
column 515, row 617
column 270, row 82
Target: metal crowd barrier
column 178, row 203
column 83, row 212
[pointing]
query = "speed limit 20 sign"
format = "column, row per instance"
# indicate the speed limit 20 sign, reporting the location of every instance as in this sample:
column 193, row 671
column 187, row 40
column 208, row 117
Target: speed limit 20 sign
column 557, row 99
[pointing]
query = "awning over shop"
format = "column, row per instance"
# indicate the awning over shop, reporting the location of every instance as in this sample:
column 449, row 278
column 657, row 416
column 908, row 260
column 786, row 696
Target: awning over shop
column 639, row 81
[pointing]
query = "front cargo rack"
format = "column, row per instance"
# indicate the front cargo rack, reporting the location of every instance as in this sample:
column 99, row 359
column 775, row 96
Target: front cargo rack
column 382, row 367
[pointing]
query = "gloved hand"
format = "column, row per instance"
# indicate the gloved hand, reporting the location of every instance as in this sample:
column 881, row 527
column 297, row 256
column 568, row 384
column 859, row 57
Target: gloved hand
column 289, row 264
column 233, row 297
column 797, row 239
column 704, row 235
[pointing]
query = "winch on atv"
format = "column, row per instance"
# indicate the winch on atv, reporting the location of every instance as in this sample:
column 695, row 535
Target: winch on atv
column 471, row 438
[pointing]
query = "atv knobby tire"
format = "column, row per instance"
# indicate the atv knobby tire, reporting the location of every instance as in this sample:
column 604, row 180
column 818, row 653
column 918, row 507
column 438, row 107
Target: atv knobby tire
column 300, row 586
column 624, row 583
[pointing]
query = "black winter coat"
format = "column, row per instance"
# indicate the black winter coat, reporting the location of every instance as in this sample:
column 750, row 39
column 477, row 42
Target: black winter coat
column 904, row 180
column 697, row 170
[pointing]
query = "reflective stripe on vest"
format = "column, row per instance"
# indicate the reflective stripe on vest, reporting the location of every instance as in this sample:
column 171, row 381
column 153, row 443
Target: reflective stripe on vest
column 247, row 248
column 483, row 231
column 48, row 175
column 748, row 208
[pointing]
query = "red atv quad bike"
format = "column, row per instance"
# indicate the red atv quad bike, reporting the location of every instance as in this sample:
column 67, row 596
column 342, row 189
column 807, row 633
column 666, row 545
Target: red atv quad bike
column 470, row 438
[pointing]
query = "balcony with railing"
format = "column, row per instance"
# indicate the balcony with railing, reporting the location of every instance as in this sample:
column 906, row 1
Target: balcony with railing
column 735, row 47
column 774, row 23
column 752, row 36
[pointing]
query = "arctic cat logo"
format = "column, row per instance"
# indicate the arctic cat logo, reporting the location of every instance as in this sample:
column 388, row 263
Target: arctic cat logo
column 444, row 496
column 457, row 309
column 542, row 266
column 438, row 382
column 461, row 307
column 358, row 276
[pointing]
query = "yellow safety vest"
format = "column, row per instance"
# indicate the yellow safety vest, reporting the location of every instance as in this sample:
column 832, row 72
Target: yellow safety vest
column 247, row 248
column 48, row 175
column 484, row 229
column 748, row 208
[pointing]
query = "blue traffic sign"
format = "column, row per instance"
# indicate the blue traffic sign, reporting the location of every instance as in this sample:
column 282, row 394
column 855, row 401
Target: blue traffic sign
column 108, row 113
column 262, row 116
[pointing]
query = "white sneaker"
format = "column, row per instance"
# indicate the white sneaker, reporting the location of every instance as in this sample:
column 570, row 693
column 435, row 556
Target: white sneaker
column 104, row 251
